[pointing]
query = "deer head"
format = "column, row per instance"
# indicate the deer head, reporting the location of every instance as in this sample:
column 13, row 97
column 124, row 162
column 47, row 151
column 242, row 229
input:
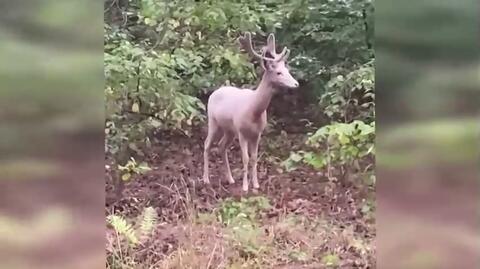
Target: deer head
column 273, row 63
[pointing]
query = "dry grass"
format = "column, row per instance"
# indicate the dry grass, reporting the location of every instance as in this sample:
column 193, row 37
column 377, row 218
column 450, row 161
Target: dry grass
column 285, row 241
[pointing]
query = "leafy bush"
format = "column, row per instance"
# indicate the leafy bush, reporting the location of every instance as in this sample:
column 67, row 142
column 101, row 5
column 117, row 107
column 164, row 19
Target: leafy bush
column 142, row 94
column 349, row 101
column 160, row 55
column 245, row 209
column 241, row 219
column 132, row 167
column 343, row 144
column 352, row 96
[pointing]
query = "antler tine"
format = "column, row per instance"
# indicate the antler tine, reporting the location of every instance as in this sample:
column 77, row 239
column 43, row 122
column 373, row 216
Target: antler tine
column 284, row 55
column 281, row 54
column 271, row 44
column 246, row 44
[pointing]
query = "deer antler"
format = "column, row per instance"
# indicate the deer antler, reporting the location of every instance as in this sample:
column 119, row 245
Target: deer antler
column 246, row 44
column 271, row 44
column 284, row 54
column 272, row 49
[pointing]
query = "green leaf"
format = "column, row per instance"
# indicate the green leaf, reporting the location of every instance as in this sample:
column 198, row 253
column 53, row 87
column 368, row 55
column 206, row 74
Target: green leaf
column 289, row 165
column 150, row 22
column 365, row 209
column 155, row 123
column 331, row 260
column 343, row 139
column 371, row 149
column 123, row 228
column 135, row 108
column 143, row 167
column 295, row 157
column 126, row 176
column 316, row 160
column 298, row 256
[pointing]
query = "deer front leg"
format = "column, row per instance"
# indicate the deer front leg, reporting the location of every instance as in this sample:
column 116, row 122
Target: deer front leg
column 208, row 144
column 254, row 154
column 244, row 147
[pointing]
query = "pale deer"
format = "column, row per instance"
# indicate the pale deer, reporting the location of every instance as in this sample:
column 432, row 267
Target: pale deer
column 242, row 113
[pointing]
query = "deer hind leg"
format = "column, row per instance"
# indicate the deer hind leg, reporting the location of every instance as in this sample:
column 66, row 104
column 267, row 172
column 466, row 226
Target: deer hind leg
column 213, row 131
column 244, row 147
column 253, row 148
column 224, row 145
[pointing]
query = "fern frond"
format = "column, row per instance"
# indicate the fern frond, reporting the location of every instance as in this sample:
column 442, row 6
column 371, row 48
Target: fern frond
column 148, row 221
column 122, row 227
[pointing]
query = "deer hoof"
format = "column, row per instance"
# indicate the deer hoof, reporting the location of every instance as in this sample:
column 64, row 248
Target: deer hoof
column 231, row 181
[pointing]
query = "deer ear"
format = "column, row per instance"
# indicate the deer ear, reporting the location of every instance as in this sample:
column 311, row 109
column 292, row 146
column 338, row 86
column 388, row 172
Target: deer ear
column 271, row 44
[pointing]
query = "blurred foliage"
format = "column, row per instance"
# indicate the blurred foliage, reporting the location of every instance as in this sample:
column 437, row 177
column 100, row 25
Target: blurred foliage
column 427, row 59
column 17, row 233
column 446, row 141
column 50, row 73
column 427, row 72
column 51, row 109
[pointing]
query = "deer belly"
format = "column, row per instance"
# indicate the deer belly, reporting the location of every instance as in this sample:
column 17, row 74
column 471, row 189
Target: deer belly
column 225, row 123
column 252, row 129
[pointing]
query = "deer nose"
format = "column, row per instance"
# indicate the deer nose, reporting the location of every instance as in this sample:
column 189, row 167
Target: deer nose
column 295, row 85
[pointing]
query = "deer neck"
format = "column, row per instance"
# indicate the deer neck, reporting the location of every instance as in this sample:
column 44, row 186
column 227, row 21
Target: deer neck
column 263, row 96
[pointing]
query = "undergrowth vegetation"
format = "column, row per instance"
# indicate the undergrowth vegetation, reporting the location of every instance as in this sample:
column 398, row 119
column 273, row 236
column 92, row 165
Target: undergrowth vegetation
column 239, row 234
column 162, row 60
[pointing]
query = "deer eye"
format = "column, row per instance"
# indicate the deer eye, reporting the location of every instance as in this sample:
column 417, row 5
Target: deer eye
column 279, row 73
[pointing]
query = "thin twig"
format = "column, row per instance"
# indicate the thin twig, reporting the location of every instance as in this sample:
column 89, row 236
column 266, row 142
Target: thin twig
column 211, row 255
column 111, row 5
column 167, row 188
column 138, row 75
column 222, row 258
column 181, row 198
